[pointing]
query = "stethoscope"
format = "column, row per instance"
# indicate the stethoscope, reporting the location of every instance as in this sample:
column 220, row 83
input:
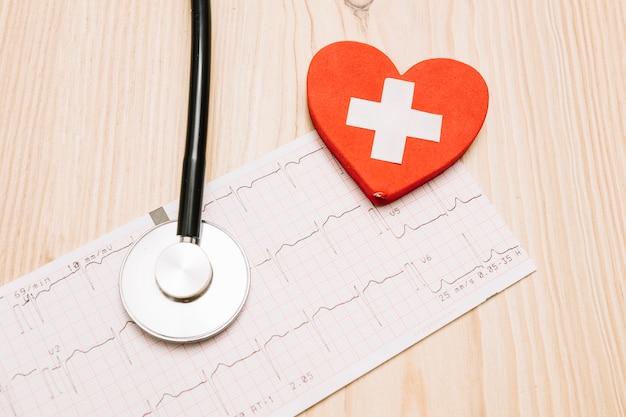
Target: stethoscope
column 187, row 280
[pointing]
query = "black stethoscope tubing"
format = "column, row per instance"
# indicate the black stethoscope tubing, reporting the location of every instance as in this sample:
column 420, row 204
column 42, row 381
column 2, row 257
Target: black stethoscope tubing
column 194, row 160
column 192, row 284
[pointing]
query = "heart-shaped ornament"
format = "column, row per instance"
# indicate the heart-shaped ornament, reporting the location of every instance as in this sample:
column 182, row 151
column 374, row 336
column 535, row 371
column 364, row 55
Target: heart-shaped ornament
column 393, row 132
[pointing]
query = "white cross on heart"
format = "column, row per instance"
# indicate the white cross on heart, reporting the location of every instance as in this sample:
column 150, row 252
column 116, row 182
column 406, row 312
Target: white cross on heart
column 393, row 120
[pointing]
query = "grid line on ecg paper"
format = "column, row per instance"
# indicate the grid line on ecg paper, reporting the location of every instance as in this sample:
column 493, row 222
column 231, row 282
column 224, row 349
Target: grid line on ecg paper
column 337, row 283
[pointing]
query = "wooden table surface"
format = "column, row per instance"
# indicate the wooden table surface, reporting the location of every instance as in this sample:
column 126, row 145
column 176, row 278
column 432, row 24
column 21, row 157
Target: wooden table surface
column 93, row 98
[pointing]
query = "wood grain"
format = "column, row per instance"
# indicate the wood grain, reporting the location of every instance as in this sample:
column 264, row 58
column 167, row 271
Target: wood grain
column 92, row 118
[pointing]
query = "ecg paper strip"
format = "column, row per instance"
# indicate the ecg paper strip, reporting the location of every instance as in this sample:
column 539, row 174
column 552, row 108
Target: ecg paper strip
column 338, row 287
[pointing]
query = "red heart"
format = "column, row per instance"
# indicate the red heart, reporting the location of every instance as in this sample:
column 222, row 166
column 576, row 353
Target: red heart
column 356, row 94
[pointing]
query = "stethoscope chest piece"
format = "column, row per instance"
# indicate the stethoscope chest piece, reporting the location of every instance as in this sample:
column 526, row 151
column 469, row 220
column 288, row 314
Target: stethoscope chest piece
column 181, row 291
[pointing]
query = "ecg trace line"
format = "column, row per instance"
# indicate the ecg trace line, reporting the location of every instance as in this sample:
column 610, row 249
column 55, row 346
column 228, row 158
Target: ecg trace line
column 454, row 281
column 373, row 281
column 474, row 269
column 278, row 336
column 315, row 230
column 457, row 200
column 329, row 309
column 406, row 227
column 306, row 155
column 30, row 296
column 216, row 199
column 33, row 297
column 24, row 374
column 178, row 394
column 86, row 351
column 296, row 242
column 76, row 351
column 494, row 252
column 264, row 176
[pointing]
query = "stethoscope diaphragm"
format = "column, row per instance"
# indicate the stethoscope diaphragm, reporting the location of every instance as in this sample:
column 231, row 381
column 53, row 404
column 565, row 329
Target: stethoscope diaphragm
column 194, row 309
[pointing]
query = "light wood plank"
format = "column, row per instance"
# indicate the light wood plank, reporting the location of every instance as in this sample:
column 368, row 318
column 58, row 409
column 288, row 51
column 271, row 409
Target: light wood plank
column 93, row 101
